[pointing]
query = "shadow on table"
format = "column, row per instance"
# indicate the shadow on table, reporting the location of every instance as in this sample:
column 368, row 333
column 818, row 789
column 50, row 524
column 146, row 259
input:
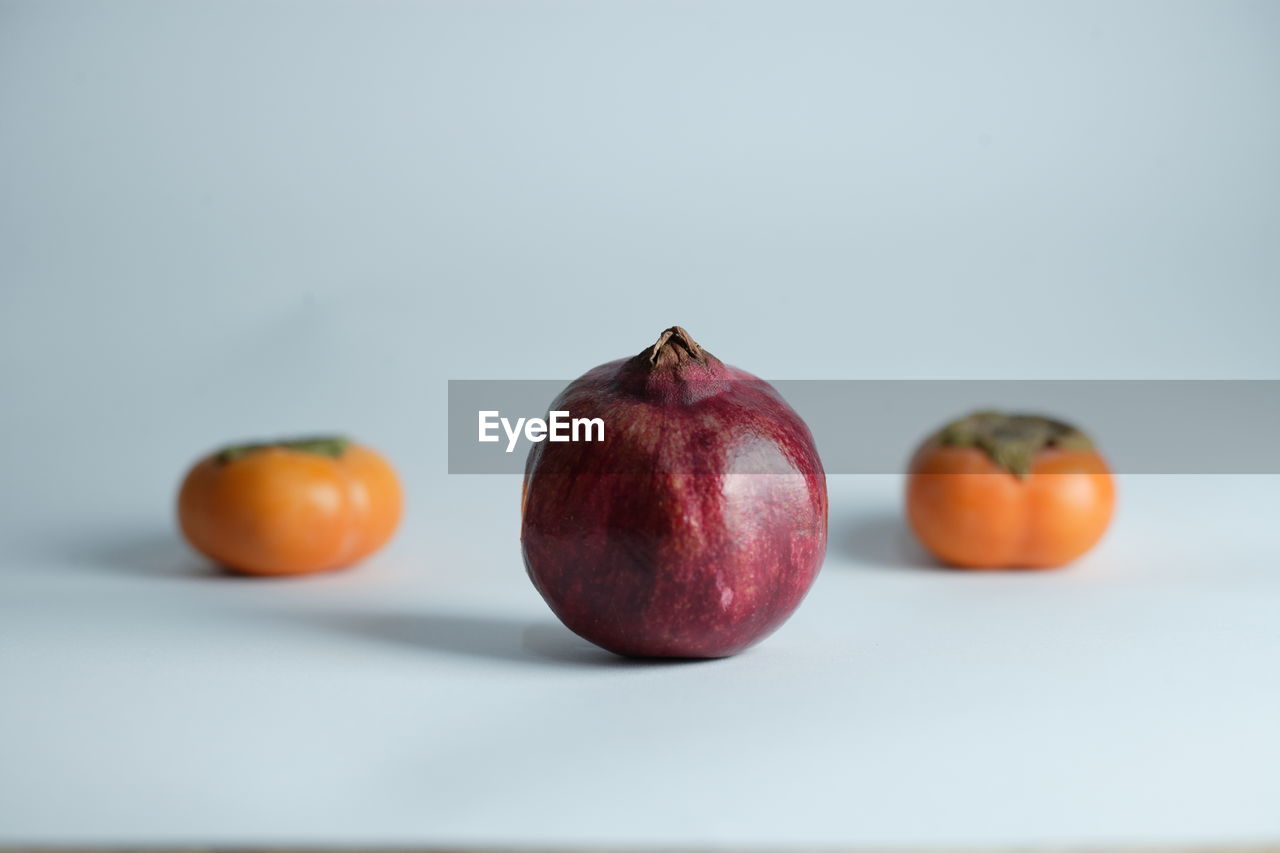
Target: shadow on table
column 879, row 542
column 157, row 555
column 164, row 555
column 479, row 636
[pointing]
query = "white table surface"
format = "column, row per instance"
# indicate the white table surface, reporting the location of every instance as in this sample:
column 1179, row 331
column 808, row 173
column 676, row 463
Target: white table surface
column 430, row 697
column 225, row 220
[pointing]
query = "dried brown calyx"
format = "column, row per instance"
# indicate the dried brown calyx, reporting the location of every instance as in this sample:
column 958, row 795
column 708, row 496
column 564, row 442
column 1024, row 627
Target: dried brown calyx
column 675, row 346
column 675, row 368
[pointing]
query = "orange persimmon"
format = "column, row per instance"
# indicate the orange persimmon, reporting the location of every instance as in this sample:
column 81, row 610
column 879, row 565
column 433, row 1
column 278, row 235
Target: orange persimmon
column 290, row 507
column 1008, row 491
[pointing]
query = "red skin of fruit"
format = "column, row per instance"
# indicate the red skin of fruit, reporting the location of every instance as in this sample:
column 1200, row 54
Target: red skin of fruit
column 696, row 528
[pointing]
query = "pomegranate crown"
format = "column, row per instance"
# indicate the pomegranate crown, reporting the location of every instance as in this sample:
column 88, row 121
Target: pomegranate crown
column 675, row 345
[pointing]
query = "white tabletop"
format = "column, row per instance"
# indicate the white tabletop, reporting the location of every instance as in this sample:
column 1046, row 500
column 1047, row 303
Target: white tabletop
column 430, row 697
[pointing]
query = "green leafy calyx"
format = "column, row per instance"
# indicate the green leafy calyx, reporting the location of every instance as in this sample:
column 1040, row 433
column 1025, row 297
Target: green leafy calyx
column 1012, row 440
column 332, row 446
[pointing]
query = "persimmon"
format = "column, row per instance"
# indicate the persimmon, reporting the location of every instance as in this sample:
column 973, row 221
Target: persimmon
column 1008, row 491
column 291, row 507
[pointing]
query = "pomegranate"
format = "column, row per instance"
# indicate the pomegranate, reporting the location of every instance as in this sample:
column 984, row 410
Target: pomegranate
column 695, row 528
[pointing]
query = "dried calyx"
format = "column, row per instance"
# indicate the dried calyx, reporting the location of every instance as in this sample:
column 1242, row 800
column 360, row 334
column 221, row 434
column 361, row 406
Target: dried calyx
column 675, row 369
column 332, row 446
column 1012, row 440
column 674, row 346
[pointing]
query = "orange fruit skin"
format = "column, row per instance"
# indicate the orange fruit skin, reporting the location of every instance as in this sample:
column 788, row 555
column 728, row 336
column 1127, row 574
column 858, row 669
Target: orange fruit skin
column 970, row 513
column 279, row 511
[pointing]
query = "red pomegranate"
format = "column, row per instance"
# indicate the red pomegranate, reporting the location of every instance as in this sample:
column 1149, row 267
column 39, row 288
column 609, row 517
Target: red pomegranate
column 695, row 528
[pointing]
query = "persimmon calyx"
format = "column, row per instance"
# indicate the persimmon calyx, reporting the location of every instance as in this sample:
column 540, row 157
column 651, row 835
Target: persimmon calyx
column 1012, row 440
column 333, row 446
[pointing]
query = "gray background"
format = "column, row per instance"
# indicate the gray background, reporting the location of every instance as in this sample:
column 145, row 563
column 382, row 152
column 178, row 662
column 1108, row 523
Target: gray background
column 226, row 220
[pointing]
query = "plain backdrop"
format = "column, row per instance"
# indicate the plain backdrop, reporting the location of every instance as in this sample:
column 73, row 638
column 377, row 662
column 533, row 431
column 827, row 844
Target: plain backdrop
column 225, row 220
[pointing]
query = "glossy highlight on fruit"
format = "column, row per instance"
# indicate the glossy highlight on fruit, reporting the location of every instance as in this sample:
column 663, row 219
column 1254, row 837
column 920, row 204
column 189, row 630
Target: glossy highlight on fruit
column 699, row 523
column 292, row 507
column 993, row 491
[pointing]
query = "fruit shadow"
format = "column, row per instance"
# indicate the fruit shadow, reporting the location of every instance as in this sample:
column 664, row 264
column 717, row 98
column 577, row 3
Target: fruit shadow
column 154, row 555
column 162, row 555
column 480, row 636
column 879, row 542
